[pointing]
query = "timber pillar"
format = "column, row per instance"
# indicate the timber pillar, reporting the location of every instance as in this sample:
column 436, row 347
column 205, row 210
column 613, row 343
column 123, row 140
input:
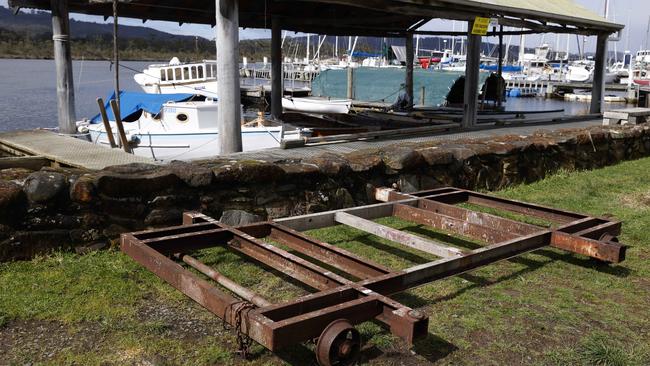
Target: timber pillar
column 408, row 82
column 598, row 88
column 63, row 63
column 470, row 104
column 227, row 24
column 277, row 88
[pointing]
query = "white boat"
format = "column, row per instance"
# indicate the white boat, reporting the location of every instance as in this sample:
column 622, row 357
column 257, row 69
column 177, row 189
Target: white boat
column 580, row 71
column 643, row 56
column 180, row 130
column 175, row 77
column 317, row 105
column 455, row 63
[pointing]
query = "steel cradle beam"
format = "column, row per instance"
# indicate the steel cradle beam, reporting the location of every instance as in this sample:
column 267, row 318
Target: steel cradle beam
column 580, row 234
column 279, row 325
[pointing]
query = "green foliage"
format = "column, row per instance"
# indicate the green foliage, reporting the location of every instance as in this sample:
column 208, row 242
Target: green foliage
column 598, row 349
column 100, row 47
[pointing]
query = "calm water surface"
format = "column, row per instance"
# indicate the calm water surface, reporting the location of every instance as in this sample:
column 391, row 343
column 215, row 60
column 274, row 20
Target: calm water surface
column 28, row 89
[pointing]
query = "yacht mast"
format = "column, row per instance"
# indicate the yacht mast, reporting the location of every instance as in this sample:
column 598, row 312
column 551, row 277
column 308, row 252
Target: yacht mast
column 647, row 34
column 568, row 46
column 336, row 47
column 308, row 48
column 453, row 38
column 522, row 48
column 508, row 48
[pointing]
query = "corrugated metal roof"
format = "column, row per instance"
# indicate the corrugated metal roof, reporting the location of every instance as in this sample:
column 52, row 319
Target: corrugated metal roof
column 358, row 17
column 561, row 11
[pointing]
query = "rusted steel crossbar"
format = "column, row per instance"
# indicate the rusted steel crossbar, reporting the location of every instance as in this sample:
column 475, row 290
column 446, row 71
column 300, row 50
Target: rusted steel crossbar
column 359, row 290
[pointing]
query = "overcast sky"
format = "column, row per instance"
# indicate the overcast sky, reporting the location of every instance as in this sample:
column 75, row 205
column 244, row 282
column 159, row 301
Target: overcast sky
column 633, row 13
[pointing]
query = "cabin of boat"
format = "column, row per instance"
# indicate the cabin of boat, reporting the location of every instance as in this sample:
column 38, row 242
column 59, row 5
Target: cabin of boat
column 157, row 77
column 643, row 56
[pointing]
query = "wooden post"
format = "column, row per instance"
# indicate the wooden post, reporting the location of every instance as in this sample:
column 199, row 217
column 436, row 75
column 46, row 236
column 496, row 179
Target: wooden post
column 598, row 87
column 276, row 69
column 500, row 70
column 471, row 77
column 227, row 20
column 120, row 127
column 63, row 61
column 107, row 124
column 422, row 95
column 350, row 82
column 116, row 54
column 408, row 82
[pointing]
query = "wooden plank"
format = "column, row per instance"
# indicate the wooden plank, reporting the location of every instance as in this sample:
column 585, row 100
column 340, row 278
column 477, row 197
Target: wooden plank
column 407, row 239
column 326, row 219
column 120, row 127
column 107, row 123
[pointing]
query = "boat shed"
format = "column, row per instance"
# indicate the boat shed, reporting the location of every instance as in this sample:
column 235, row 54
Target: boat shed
column 385, row 18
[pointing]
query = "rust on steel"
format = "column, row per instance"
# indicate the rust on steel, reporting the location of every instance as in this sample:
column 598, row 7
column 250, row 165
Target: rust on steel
column 348, row 289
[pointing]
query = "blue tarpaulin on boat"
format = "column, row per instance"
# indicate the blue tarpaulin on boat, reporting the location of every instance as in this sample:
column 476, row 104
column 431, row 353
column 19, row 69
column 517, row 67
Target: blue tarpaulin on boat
column 134, row 102
column 506, row 68
column 365, row 54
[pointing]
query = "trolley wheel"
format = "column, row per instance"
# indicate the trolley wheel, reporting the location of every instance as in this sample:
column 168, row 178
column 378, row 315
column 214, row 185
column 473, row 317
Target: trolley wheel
column 338, row 345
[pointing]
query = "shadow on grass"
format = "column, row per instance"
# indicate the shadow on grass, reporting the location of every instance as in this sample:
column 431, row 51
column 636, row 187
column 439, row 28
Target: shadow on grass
column 415, row 301
column 442, row 237
column 264, row 266
column 434, row 348
column 299, row 354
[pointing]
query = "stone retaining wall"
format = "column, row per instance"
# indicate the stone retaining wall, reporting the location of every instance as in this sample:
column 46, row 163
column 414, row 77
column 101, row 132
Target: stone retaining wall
column 69, row 208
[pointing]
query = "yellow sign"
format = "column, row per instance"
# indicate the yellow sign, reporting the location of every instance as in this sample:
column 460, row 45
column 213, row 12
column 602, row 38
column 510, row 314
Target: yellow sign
column 480, row 26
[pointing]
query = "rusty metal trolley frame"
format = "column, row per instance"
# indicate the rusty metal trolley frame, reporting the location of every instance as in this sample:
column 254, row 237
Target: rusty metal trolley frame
column 329, row 313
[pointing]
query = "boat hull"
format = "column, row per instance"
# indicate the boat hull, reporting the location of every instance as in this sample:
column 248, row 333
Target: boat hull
column 317, row 105
column 188, row 146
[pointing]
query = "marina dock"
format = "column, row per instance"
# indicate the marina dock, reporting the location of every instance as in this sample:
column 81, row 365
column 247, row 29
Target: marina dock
column 278, row 154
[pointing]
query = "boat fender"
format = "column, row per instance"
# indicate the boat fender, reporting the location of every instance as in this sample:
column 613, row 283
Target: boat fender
column 82, row 129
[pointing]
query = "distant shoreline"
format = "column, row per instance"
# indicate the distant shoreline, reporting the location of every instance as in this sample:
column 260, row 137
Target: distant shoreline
column 22, row 57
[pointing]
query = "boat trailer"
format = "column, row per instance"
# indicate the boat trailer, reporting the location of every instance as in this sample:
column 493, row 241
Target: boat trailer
column 338, row 303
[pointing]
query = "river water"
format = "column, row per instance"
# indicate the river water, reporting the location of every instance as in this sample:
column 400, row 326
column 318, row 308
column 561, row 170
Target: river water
column 28, row 89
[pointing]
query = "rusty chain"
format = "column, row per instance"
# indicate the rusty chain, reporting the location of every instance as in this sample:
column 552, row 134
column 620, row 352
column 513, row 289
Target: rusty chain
column 243, row 340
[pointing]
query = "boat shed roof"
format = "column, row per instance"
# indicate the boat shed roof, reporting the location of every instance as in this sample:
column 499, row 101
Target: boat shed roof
column 356, row 17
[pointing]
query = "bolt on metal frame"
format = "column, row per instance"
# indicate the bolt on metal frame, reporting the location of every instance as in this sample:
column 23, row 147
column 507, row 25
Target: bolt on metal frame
column 367, row 297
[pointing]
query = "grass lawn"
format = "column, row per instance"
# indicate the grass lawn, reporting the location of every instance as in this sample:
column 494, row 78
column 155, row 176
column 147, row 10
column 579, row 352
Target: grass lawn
column 544, row 308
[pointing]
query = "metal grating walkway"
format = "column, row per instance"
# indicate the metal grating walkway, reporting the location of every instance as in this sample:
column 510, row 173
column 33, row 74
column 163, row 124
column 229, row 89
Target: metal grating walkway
column 66, row 150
